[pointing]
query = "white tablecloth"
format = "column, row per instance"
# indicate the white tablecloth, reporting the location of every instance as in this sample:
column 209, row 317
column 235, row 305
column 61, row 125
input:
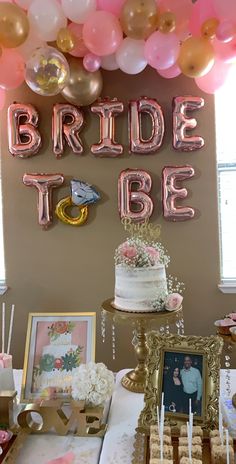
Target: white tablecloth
column 117, row 446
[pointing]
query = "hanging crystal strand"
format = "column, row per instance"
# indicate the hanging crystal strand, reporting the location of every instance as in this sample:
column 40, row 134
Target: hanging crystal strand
column 134, row 339
column 103, row 325
column 182, row 326
column 167, row 328
column 177, row 324
column 228, row 371
column 113, row 338
column 162, row 330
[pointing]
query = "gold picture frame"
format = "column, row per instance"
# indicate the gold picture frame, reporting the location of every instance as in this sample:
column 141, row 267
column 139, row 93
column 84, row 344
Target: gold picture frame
column 84, row 326
column 209, row 348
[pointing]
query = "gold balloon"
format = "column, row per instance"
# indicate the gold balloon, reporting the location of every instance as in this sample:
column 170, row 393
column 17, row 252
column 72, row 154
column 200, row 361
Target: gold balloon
column 209, row 27
column 64, row 217
column 166, row 22
column 66, row 40
column 139, row 18
column 196, row 57
column 83, row 87
column 14, row 25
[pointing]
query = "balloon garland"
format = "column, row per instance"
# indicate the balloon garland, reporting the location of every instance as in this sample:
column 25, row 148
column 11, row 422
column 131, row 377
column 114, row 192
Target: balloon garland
column 197, row 39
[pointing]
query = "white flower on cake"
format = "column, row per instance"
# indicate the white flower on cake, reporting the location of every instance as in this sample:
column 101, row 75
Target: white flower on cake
column 93, row 383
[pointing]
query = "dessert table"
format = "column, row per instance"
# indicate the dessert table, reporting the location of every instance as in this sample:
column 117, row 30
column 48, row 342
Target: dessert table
column 117, row 445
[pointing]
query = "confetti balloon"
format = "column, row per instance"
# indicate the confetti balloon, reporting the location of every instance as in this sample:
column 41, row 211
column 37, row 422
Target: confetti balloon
column 47, row 71
column 14, row 25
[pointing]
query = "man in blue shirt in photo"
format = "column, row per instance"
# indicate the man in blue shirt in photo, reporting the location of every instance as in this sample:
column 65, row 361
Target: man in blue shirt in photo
column 192, row 386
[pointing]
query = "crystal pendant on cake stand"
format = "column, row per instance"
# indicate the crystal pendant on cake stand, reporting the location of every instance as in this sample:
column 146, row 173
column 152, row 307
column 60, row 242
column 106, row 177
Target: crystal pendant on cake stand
column 141, row 322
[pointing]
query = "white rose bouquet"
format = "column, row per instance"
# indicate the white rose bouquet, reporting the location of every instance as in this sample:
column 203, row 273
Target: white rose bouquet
column 92, row 382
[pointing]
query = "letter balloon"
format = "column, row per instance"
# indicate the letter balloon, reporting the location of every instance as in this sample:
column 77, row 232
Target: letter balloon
column 153, row 109
column 24, row 139
column 182, row 123
column 171, row 175
column 44, row 183
column 134, row 204
column 107, row 110
column 67, row 121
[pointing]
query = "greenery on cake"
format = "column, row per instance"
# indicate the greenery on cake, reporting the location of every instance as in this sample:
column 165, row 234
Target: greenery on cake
column 136, row 252
column 68, row 362
column 170, row 299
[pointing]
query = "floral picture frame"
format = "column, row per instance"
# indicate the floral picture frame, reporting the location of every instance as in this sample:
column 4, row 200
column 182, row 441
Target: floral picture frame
column 56, row 344
column 206, row 351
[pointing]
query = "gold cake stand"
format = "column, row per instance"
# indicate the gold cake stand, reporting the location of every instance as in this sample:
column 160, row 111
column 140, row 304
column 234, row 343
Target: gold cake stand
column 135, row 380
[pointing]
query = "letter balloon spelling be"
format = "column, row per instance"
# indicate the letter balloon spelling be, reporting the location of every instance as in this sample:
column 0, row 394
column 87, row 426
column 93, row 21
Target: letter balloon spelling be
column 129, row 198
column 171, row 192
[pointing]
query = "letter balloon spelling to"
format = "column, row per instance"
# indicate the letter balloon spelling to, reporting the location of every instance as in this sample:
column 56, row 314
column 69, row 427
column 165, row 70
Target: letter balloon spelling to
column 139, row 199
column 182, row 123
column 44, row 183
column 67, row 121
column 171, row 192
column 24, row 139
column 137, row 143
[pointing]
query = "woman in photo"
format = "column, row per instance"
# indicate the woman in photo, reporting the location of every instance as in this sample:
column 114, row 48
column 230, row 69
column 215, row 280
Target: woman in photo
column 173, row 391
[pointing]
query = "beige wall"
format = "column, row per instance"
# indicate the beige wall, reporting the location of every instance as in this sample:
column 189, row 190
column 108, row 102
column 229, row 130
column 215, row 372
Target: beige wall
column 72, row 269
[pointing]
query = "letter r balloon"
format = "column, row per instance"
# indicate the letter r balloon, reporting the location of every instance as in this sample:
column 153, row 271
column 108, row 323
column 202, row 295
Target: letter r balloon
column 67, row 122
column 129, row 198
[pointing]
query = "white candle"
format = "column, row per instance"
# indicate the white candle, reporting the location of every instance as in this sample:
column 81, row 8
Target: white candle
column 189, row 435
column 220, row 423
column 10, row 329
column 3, row 328
column 158, row 420
column 227, row 446
column 162, row 429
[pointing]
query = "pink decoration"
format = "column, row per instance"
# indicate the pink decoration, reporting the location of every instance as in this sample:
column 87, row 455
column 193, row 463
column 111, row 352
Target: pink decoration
column 201, row 11
column 80, row 49
column 225, row 51
column 2, row 98
column 12, row 69
column 225, row 31
column 67, row 122
column 182, row 10
column 6, row 360
column 173, row 301
column 161, row 50
column 68, row 458
column 171, row 72
column 171, row 176
column 44, row 183
column 102, row 33
column 5, row 436
column 24, row 139
column 153, row 253
column 225, row 9
column 91, row 62
column 182, row 123
column 137, row 143
column 216, row 77
column 139, row 197
column 128, row 251
column 113, row 6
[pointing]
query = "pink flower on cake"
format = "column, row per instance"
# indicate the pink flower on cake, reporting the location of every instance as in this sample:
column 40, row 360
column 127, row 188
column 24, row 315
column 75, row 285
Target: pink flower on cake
column 153, row 254
column 128, row 251
column 60, row 327
column 173, row 301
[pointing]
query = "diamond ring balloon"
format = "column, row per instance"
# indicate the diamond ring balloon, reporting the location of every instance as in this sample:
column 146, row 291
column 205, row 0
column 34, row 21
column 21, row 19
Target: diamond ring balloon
column 47, row 71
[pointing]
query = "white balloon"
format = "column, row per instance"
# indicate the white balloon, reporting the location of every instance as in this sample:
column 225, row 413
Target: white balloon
column 109, row 62
column 24, row 3
column 46, row 18
column 78, row 10
column 130, row 56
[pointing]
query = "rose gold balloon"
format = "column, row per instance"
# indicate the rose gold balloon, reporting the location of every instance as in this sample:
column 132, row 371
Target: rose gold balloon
column 139, row 18
column 183, row 123
column 128, row 198
column 166, row 22
column 44, row 183
column 67, row 122
column 83, row 87
column 107, row 110
column 171, row 176
column 153, row 109
column 14, row 25
column 24, row 139
column 196, row 57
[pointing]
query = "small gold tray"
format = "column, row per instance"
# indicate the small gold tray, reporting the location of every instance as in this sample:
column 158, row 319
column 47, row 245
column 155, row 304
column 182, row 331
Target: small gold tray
column 141, row 454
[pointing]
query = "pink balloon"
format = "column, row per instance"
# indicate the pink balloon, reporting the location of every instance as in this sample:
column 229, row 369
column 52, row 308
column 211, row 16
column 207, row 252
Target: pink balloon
column 12, row 69
column 102, row 33
column 2, row 98
column 225, row 31
column 216, row 77
column 182, row 10
column 114, row 6
column 171, row 72
column 80, row 49
column 161, row 50
column 201, row 11
column 91, row 62
column 225, row 9
column 225, row 52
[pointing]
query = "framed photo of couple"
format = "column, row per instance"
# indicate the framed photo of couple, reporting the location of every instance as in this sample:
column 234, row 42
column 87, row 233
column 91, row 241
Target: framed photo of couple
column 183, row 368
column 56, row 345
